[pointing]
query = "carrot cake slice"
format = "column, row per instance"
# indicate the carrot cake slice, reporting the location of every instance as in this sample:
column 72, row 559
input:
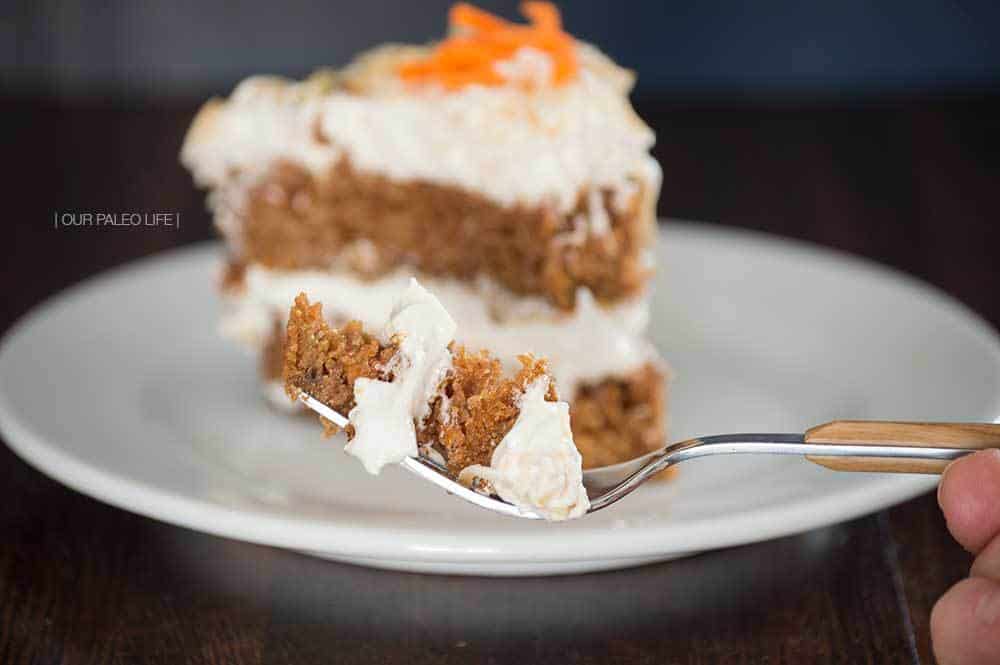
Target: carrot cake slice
column 502, row 166
column 411, row 390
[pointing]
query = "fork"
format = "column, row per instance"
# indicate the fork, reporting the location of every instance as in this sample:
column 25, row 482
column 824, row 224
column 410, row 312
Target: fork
column 841, row 445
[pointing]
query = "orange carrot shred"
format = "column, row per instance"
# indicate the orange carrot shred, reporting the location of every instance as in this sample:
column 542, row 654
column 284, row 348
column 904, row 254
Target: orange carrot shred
column 479, row 40
column 542, row 14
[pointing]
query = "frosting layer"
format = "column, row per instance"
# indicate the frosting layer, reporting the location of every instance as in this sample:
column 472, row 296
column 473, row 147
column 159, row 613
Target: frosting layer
column 538, row 146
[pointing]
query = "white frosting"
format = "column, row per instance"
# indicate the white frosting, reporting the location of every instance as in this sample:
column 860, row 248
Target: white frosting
column 528, row 66
column 600, row 222
column 537, row 466
column 386, row 411
column 512, row 145
column 590, row 344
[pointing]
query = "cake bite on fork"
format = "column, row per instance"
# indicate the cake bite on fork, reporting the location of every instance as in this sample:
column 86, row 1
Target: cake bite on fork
column 409, row 390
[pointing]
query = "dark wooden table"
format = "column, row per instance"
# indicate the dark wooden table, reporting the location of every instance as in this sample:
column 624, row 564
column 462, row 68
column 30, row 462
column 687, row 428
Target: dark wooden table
column 909, row 182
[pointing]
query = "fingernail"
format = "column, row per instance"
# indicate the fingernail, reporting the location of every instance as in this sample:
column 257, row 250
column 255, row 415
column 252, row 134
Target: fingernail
column 988, row 607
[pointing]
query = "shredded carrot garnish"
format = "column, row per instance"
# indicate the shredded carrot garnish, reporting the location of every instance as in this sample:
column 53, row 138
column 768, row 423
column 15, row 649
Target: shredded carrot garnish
column 480, row 40
column 543, row 14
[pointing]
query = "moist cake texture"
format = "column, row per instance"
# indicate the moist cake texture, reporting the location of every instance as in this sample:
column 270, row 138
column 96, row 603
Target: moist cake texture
column 296, row 220
column 325, row 362
column 502, row 166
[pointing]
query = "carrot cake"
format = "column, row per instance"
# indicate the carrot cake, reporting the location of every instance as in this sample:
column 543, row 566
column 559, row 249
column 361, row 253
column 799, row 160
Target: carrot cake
column 503, row 166
column 411, row 390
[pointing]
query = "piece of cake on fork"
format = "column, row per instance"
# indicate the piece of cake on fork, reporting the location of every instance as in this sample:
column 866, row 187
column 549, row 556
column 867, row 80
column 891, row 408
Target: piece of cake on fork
column 409, row 389
column 503, row 167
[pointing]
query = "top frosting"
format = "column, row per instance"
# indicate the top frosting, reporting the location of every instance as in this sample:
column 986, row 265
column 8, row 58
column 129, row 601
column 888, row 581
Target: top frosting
column 515, row 140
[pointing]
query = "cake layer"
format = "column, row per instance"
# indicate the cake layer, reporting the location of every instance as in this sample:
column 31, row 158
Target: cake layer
column 587, row 345
column 295, row 220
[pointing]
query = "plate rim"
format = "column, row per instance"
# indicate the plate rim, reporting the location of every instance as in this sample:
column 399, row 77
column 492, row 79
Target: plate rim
column 342, row 538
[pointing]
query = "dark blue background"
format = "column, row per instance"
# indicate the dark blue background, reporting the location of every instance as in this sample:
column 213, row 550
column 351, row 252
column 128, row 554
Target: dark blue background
column 189, row 49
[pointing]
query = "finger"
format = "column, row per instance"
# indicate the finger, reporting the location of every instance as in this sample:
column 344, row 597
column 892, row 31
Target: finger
column 965, row 624
column 987, row 564
column 969, row 495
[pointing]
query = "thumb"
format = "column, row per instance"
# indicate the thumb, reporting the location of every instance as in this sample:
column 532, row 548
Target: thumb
column 969, row 495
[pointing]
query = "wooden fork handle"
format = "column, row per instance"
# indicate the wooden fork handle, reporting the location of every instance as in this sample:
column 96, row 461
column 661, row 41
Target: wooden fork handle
column 964, row 436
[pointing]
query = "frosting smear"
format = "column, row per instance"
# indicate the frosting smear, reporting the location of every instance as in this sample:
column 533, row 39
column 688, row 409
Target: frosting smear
column 386, row 411
column 537, row 466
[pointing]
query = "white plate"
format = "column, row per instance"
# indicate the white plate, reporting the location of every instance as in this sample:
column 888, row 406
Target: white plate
column 121, row 389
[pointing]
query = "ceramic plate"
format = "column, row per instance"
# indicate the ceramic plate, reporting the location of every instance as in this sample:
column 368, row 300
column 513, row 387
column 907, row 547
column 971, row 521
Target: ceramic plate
column 121, row 389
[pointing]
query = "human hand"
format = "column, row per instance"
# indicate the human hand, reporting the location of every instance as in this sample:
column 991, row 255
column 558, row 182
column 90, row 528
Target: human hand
column 965, row 623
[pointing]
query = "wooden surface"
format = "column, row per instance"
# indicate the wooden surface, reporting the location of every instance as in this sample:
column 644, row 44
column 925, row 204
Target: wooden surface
column 912, row 183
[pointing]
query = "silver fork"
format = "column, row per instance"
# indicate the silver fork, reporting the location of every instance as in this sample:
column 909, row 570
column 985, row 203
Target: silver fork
column 841, row 445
